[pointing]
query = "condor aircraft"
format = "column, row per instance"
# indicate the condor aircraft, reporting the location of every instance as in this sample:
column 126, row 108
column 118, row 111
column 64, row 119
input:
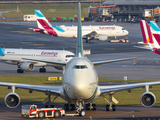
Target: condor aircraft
column 15, row 57
column 88, row 32
column 80, row 84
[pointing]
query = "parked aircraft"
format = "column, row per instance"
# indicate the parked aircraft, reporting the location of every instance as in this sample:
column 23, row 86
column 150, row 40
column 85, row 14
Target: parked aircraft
column 150, row 36
column 15, row 57
column 88, row 32
column 80, row 83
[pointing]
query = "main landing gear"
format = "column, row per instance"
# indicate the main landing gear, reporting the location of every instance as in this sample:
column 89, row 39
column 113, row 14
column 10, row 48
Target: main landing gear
column 90, row 106
column 20, row 71
column 42, row 70
column 69, row 107
column 110, row 106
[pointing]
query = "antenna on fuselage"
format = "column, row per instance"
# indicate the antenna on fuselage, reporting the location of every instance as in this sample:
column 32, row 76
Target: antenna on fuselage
column 79, row 48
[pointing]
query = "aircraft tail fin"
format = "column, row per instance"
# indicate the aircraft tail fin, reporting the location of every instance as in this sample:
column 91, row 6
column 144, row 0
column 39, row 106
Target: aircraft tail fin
column 79, row 48
column 154, row 26
column 42, row 22
column 153, row 39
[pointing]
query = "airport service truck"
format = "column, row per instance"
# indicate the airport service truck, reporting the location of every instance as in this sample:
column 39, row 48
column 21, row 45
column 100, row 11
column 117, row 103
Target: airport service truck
column 32, row 111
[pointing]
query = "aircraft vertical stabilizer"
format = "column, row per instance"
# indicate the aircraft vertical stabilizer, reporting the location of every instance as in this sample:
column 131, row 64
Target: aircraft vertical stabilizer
column 153, row 39
column 41, row 20
column 79, row 48
column 154, row 26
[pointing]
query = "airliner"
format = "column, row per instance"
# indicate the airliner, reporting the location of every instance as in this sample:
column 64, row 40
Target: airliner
column 88, row 32
column 151, row 36
column 80, row 83
column 16, row 57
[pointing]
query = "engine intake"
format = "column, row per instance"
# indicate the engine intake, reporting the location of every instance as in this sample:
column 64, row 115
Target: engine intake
column 26, row 66
column 148, row 99
column 12, row 100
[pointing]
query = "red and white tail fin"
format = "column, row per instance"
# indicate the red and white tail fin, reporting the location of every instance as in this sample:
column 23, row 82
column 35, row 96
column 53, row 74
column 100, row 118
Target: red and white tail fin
column 150, row 37
column 42, row 22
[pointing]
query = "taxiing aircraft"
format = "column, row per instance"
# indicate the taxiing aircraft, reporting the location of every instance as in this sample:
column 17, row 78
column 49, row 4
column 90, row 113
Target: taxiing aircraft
column 80, row 83
column 16, row 57
column 88, row 32
column 151, row 36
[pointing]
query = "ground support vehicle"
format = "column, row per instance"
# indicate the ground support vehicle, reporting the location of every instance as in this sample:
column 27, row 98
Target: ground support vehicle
column 119, row 41
column 32, row 111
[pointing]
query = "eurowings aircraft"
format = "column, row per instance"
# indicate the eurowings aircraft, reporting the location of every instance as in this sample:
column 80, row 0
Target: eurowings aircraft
column 88, row 32
column 80, row 84
column 14, row 56
column 151, row 36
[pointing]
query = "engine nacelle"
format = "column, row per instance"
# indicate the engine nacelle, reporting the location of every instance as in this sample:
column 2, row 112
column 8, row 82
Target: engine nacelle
column 101, row 37
column 58, row 67
column 12, row 100
column 26, row 66
column 148, row 99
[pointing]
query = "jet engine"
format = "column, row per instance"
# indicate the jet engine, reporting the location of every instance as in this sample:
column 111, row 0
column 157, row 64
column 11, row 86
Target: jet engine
column 148, row 99
column 101, row 37
column 58, row 67
column 26, row 66
column 12, row 100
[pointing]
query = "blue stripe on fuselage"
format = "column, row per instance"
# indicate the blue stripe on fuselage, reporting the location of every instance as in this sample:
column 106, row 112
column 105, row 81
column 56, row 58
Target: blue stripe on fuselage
column 2, row 51
column 58, row 28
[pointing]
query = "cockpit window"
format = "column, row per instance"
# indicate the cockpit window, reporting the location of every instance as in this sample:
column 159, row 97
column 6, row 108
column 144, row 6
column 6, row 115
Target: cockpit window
column 67, row 56
column 80, row 67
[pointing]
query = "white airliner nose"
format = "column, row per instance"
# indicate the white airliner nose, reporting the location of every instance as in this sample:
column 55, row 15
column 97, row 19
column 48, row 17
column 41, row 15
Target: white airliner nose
column 126, row 32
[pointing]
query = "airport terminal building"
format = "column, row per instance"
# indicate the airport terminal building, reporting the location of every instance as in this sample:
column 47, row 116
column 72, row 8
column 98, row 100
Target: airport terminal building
column 128, row 9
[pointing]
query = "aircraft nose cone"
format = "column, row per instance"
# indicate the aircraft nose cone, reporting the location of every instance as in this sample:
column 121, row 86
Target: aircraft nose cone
column 126, row 32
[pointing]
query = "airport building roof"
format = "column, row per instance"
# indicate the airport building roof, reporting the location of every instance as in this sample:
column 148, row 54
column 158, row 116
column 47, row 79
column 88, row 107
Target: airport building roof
column 131, row 2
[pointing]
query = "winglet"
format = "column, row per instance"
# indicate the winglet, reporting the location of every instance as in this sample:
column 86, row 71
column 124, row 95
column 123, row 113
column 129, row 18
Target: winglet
column 79, row 48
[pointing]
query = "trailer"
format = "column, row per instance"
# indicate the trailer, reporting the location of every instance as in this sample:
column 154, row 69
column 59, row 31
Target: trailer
column 32, row 111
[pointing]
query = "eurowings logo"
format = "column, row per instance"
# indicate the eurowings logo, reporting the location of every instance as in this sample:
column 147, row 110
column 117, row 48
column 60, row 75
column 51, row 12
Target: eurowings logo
column 2, row 51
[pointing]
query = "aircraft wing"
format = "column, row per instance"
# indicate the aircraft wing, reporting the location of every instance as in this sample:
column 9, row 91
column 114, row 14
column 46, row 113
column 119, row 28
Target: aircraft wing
column 116, row 88
column 111, row 61
column 41, row 88
column 50, row 62
column 143, row 47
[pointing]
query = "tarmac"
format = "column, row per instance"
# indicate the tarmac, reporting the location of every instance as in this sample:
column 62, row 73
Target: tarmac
column 17, row 35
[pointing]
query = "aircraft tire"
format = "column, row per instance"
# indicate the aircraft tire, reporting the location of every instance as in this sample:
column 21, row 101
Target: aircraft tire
column 42, row 70
column 94, row 107
column 113, row 108
column 82, row 113
column 20, row 71
column 107, row 107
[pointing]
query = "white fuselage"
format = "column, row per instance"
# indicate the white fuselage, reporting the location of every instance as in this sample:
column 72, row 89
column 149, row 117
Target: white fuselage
column 80, row 81
column 15, row 56
column 110, row 31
